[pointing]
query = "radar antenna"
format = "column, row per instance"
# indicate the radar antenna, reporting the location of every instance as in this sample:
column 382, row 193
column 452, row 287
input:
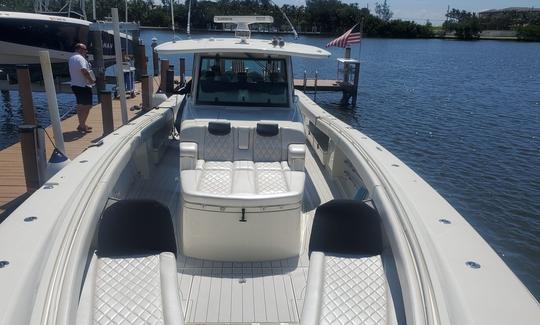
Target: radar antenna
column 242, row 30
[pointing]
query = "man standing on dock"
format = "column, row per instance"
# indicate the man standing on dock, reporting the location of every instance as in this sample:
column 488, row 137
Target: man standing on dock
column 82, row 80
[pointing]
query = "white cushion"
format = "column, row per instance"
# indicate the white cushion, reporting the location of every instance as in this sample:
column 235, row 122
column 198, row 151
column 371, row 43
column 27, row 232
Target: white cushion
column 243, row 184
column 345, row 289
column 131, row 290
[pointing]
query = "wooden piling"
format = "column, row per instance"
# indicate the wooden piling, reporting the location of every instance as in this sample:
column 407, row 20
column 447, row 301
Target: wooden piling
column 25, row 91
column 305, row 80
column 155, row 58
column 163, row 80
column 355, row 83
column 140, row 61
column 107, row 112
column 169, row 88
column 346, row 65
column 146, row 92
column 33, row 156
column 99, row 64
column 182, row 70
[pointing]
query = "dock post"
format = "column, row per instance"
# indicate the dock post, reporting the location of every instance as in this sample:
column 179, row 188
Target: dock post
column 119, row 66
column 169, row 88
column 355, row 83
column 155, row 57
column 182, row 71
column 33, row 153
column 315, row 83
column 146, row 93
column 25, row 91
column 107, row 112
column 163, row 80
column 305, row 80
column 140, row 61
column 99, row 62
column 52, row 100
column 346, row 65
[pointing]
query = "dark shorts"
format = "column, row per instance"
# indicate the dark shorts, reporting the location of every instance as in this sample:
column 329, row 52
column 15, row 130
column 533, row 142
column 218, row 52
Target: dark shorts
column 83, row 95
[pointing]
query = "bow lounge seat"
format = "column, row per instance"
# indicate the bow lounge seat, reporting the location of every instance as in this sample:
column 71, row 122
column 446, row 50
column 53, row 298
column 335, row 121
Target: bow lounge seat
column 243, row 180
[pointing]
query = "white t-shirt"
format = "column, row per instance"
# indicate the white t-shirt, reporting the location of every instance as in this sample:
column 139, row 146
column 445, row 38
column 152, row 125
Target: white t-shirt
column 76, row 63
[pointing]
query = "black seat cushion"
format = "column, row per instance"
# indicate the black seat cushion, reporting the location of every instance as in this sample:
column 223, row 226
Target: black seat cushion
column 346, row 227
column 134, row 227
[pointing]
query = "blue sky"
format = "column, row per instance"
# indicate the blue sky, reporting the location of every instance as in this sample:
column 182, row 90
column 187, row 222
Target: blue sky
column 420, row 10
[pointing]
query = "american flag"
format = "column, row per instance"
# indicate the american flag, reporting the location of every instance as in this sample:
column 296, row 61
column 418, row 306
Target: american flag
column 348, row 38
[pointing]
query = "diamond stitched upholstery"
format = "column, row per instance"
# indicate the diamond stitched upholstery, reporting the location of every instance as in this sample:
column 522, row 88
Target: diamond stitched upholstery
column 270, row 182
column 354, row 291
column 267, row 148
column 218, row 147
column 260, row 178
column 128, row 291
column 216, row 181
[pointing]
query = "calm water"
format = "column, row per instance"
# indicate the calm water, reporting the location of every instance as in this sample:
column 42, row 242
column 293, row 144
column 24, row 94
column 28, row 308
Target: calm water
column 463, row 115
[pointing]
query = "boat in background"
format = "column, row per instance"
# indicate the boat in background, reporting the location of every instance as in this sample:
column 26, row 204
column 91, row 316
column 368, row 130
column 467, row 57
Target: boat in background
column 25, row 34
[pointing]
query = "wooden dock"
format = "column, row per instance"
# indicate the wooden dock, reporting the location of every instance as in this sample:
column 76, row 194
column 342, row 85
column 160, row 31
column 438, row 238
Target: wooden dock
column 12, row 180
column 322, row 85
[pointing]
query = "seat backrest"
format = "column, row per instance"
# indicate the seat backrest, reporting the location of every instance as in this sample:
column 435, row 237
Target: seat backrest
column 346, row 227
column 134, row 227
column 267, row 143
column 218, row 142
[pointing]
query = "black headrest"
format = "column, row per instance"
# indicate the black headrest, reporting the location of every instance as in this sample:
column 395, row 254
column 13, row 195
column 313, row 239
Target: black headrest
column 346, row 227
column 135, row 226
column 267, row 130
column 219, row 128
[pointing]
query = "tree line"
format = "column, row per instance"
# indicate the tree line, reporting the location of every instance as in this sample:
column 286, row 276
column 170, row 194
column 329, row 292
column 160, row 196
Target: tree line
column 322, row 16
column 469, row 25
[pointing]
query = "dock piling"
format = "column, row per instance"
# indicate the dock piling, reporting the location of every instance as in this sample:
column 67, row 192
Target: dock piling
column 33, row 153
column 305, row 80
column 169, row 88
column 52, row 100
column 25, row 91
column 140, row 61
column 119, row 66
column 146, row 92
column 182, row 70
column 107, row 112
column 163, row 80
column 99, row 64
column 315, row 84
column 155, row 57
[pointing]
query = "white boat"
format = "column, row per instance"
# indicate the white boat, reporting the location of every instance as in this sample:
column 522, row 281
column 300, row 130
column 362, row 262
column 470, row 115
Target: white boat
column 25, row 34
column 264, row 209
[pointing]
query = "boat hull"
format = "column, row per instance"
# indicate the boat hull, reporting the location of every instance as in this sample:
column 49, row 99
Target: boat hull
column 25, row 35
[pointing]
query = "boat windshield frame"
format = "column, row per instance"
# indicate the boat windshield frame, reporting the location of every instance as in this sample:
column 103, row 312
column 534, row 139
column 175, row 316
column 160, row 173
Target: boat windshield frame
column 264, row 82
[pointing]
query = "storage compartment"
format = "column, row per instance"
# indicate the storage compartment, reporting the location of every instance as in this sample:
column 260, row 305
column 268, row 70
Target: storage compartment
column 241, row 234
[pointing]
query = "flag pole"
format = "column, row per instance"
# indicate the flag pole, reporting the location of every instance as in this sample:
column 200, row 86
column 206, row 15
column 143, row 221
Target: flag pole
column 361, row 38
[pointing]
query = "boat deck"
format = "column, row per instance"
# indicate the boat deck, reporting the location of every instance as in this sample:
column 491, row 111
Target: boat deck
column 225, row 292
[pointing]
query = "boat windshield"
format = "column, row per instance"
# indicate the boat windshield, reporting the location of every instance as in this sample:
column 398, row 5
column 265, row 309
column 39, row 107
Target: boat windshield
column 243, row 82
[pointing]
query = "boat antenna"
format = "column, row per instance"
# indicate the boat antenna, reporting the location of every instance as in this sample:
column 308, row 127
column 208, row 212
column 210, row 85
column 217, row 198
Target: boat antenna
column 172, row 20
column 188, row 29
column 286, row 18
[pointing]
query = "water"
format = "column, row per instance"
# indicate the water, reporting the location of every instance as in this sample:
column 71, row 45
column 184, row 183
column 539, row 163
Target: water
column 464, row 115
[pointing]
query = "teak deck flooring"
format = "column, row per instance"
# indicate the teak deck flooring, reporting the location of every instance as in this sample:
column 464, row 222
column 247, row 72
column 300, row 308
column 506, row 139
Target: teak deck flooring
column 12, row 180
